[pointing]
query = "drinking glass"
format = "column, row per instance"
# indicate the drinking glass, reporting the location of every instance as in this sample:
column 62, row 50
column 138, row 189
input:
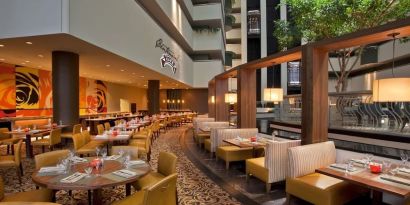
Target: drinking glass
column 349, row 166
column 386, row 166
column 104, row 153
column 71, row 154
column 404, row 157
column 88, row 171
column 127, row 159
column 121, row 152
column 369, row 158
column 97, row 151
column 393, row 172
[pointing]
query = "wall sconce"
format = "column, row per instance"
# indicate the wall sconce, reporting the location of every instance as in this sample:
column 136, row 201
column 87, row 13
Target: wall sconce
column 178, row 101
column 213, row 99
column 168, row 101
column 163, row 101
column 183, row 101
column 231, row 98
column 173, row 101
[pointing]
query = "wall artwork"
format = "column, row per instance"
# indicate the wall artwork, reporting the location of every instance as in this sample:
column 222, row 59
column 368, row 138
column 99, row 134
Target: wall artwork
column 7, row 91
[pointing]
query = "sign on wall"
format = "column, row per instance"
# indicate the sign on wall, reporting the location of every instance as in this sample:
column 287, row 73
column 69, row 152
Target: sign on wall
column 168, row 58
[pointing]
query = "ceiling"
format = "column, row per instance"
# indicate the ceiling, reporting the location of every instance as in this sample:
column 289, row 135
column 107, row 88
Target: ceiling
column 95, row 62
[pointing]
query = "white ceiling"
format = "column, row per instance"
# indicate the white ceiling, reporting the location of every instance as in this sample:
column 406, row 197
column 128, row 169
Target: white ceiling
column 95, row 62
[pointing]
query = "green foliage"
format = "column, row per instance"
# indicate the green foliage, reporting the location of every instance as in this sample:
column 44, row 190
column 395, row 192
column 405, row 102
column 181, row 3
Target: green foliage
column 229, row 20
column 320, row 19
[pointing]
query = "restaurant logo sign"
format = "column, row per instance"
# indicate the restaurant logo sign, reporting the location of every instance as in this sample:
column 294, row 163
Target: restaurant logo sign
column 168, row 58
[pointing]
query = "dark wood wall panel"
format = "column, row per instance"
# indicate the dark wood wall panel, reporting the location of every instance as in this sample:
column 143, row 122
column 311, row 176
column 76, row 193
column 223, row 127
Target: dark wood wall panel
column 196, row 100
column 153, row 97
column 221, row 108
column 246, row 98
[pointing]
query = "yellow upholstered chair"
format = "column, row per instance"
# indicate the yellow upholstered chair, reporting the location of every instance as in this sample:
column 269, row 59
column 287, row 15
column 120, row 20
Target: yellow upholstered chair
column 13, row 161
column 100, row 129
column 144, row 145
column 162, row 192
column 84, row 145
column 273, row 166
column 132, row 150
column 51, row 141
column 231, row 153
column 304, row 183
column 107, row 126
column 27, row 203
column 142, row 134
column 167, row 163
column 164, row 124
column 41, row 195
column 69, row 135
column 50, row 158
column 7, row 139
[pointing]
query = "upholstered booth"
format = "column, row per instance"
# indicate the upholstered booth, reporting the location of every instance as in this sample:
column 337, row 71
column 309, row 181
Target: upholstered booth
column 195, row 122
column 304, row 183
column 230, row 153
column 273, row 166
column 201, row 135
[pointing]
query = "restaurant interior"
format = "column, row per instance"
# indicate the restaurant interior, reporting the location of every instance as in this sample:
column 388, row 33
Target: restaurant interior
column 83, row 121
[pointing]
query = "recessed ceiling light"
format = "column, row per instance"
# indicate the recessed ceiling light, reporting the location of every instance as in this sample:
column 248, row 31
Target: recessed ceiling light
column 107, row 65
column 173, row 88
column 29, row 42
column 133, row 73
column 39, row 55
column 39, row 66
column 27, row 61
column 122, row 70
column 1, row 45
column 23, row 63
column 2, row 59
column 142, row 76
column 145, row 85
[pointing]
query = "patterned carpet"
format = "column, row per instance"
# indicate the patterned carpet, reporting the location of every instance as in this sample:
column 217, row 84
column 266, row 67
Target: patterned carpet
column 194, row 187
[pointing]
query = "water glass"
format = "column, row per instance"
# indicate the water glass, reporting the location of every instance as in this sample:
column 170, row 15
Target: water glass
column 404, row 157
column 121, row 152
column 88, row 170
column 127, row 159
column 386, row 166
column 349, row 166
column 104, row 153
column 97, row 151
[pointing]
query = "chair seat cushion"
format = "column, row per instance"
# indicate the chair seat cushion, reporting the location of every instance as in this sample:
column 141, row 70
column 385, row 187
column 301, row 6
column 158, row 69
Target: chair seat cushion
column 7, row 161
column 207, row 144
column 41, row 195
column 321, row 189
column 41, row 142
column 136, row 199
column 233, row 153
column 67, row 135
column 148, row 180
column 256, row 167
column 9, row 141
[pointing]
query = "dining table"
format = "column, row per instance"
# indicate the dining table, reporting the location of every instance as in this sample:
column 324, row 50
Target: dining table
column 245, row 143
column 28, row 134
column 398, row 185
column 113, row 173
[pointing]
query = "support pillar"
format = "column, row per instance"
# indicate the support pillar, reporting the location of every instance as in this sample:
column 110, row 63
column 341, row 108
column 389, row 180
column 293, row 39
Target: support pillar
column 221, row 108
column 153, row 97
column 65, row 79
column 314, row 95
column 246, row 98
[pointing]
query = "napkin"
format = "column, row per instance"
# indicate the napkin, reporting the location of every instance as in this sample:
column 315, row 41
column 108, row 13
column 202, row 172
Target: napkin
column 73, row 178
column 51, row 169
column 125, row 173
column 342, row 167
column 395, row 179
column 136, row 162
column 76, row 159
column 113, row 157
column 101, row 136
column 404, row 170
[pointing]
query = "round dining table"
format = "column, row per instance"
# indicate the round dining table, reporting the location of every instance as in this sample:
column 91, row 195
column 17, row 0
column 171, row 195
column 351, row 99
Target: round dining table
column 95, row 182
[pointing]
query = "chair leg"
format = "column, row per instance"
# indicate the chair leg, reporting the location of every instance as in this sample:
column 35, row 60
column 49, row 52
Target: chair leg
column 42, row 148
column 12, row 149
column 21, row 169
column 288, row 198
column 18, row 174
column 268, row 187
column 227, row 165
column 8, row 148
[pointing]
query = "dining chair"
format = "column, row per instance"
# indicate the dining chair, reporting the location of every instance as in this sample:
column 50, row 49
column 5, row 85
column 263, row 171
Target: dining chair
column 107, row 126
column 162, row 192
column 100, row 129
column 50, row 158
column 13, row 161
column 7, row 139
column 53, row 140
column 40, row 195
column 167, row 163
column 132, row 150
column 69, row 135
column 144, row 145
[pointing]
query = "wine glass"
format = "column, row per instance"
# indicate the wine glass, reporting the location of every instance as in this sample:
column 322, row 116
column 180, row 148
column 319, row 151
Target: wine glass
column 369, row 158
column 349, row 166
column 104, row 153
column 386, row 166
column 88, row 171
column 121, row 152
column 97, row 151
column 127, row 159
column 404, row 157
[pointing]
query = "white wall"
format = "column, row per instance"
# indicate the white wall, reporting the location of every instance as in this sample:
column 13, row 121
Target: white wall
column 234, row 33
column 208, row 12
column 205, row 71
column 20, row 18
column 207, row 41
column 236, row 48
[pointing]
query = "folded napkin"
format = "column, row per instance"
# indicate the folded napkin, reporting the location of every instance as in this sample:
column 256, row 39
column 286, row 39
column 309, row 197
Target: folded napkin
column 113, row 157
column 404, row 170
column 136, row 162
column 395, row 179
column 125, row 173
column 359, row 161
column 123, row 136
column 76, row 159
column 101, row 136
column 73, row 178
column 342, row 167
column 51, row 169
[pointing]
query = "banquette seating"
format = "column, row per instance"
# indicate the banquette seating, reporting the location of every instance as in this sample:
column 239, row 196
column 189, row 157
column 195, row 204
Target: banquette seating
column 273, row 166
column 203, row 135
column 316, row 188
column 195, row 122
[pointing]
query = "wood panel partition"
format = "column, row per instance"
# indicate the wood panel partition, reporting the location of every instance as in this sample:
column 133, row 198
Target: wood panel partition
column 246, row 98
column 221, row 108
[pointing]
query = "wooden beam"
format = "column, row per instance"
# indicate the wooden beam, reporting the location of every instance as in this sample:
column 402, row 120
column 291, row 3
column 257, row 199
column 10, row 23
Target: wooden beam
column 247, row 98
column 221, row 108
column 314, row 95
column 274, row 59
column 211, row 92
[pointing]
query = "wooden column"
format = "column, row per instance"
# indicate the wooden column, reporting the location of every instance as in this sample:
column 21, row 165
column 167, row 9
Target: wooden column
column 221, row 108
column 246, row 98
column 153, row 97
column 211, row 92
column 314, row 95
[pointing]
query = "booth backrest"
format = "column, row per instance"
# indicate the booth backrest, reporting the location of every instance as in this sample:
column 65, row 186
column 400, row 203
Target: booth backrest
column 223, row 134
column 29, row 123
column 211, row 125
column 276, row 158
column 306, row 159
column 196, row 120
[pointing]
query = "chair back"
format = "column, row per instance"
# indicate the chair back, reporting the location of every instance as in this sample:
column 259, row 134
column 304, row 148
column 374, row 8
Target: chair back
column 76, row 129
column 223, row 134
column 306, row 159
column 132, row 150
column 86, row 136
column 55, row 136
column 100, row 129
column 17, row 152
column 50, row 158
column 1, row 188
column 162, row 192
column 107, row 126
column 276, row 158
column 78, row 141
column 167, row 163
column 3, row 135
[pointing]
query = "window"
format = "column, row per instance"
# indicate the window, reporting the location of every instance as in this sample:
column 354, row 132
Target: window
column 293, row 74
